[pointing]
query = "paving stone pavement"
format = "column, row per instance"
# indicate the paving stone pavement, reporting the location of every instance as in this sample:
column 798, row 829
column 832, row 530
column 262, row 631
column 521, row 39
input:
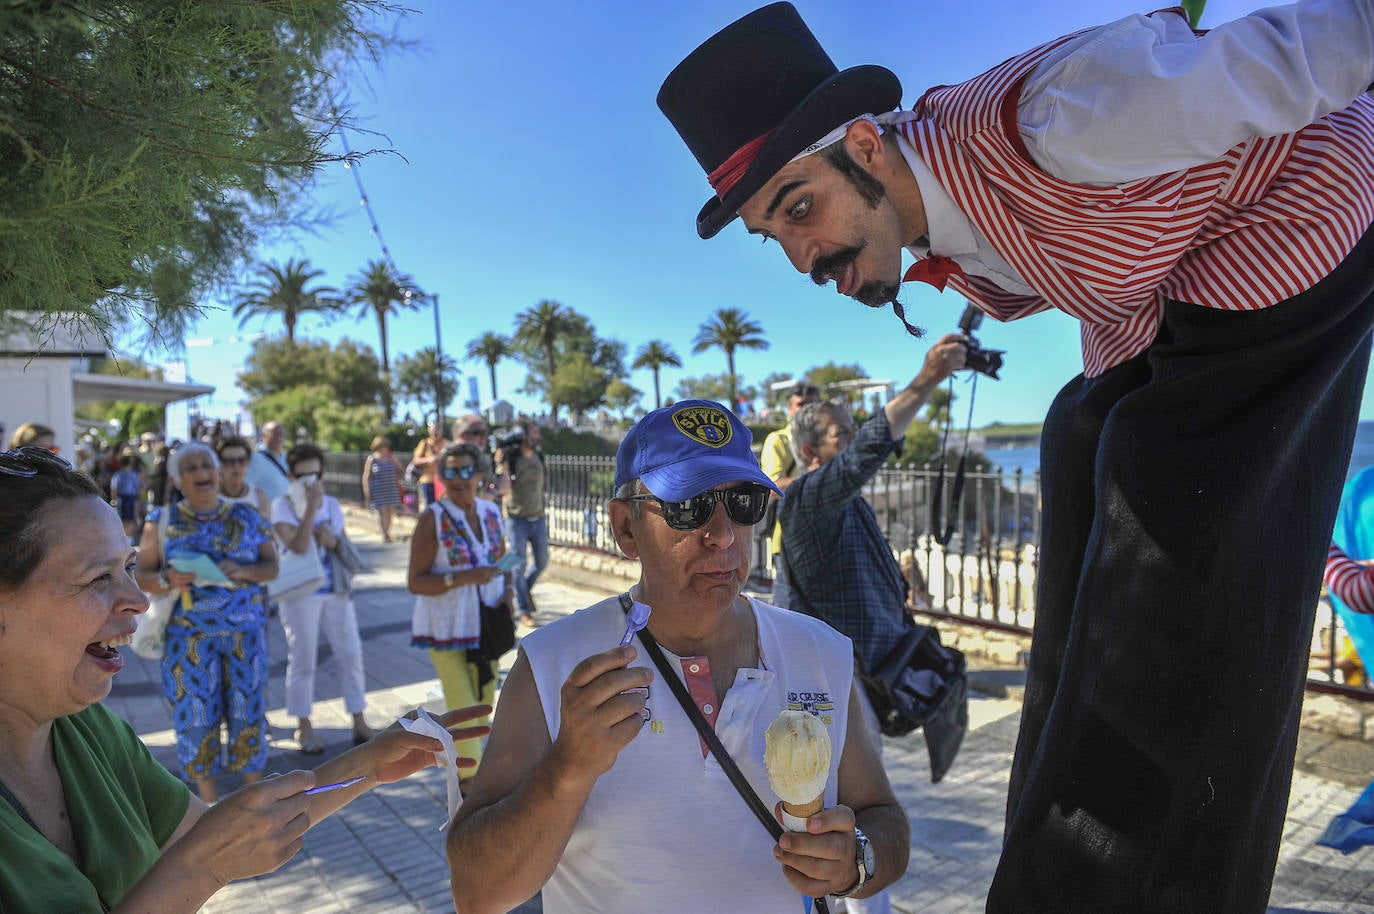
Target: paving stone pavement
column 385, row 851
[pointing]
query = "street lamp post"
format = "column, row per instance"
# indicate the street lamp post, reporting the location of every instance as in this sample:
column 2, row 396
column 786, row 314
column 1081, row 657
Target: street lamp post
column 438, row 369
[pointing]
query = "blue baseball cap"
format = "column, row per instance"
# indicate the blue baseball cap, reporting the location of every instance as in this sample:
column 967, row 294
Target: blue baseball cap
column 684, row 449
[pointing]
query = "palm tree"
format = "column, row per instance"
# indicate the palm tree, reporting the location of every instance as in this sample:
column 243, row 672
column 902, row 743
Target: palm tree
column 653, row 355
column 490, row 348
column 541, row 326
column 428, row 378
column 283, row 291
column 730, row 329
column 382, row 291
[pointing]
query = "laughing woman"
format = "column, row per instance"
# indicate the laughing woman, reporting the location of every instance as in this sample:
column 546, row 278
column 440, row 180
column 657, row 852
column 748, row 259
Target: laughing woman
column 90, row 821
column 214, row 669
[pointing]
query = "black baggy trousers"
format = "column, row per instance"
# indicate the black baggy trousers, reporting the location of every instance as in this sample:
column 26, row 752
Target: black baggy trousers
column 1189, row 496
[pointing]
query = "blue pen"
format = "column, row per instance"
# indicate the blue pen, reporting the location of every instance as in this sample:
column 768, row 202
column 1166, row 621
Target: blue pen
column 636, row 618
column 325, row 788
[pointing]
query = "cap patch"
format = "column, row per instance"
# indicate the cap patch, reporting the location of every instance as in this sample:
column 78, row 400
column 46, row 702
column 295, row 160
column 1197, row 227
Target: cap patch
column 706, row 425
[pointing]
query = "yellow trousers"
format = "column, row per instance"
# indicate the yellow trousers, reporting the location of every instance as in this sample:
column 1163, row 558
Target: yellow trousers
column 459, row 680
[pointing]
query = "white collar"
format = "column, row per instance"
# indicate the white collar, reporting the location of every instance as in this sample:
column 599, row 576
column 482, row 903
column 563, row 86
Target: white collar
column 948, row 231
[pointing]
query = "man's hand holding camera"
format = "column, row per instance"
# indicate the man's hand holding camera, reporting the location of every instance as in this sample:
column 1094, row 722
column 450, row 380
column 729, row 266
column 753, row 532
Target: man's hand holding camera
column 946, row 357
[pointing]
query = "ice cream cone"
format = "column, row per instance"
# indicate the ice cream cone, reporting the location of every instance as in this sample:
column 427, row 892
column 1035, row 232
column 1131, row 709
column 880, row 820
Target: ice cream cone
column 797, row 759
column 794, row 815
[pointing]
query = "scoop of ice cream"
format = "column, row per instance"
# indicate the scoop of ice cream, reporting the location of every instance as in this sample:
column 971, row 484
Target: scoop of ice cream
column 797, row 755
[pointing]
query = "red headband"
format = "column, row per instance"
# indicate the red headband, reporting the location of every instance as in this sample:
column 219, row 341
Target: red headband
column 728, row 174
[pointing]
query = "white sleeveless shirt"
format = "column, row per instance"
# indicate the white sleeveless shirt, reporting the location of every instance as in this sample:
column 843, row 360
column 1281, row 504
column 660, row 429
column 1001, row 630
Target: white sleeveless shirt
column 664, row 830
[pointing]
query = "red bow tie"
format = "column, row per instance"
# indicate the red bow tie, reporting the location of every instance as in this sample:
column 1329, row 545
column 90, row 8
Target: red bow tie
column 934, row 270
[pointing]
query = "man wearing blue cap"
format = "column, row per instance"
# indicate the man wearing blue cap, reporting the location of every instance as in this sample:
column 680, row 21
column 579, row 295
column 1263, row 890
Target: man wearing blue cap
column 597, row 787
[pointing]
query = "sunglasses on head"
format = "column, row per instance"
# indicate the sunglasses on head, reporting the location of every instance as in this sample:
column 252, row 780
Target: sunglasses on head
column 466, row 472
column 25, row 461
column 745, row 505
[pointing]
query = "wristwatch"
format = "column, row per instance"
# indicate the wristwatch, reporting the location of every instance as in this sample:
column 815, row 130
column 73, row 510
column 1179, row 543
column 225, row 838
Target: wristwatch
column 448, row 580
column 863, row 857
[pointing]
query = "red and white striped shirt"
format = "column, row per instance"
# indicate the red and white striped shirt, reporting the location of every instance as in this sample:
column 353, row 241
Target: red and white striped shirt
column 1254, row 226
column 1350, row 580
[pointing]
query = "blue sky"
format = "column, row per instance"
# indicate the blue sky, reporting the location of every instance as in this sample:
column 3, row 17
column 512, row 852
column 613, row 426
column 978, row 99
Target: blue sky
column 533, row 163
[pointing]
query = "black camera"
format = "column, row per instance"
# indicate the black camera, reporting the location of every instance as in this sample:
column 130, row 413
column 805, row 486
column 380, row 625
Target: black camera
column 515, row 436
column 983, row 361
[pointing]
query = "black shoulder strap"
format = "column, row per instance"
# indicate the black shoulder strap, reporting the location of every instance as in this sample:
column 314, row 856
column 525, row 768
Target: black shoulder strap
column 708, row 733
column 272, row 459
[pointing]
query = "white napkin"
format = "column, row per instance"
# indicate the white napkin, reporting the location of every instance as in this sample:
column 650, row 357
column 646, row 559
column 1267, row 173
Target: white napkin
column 425, row 724
column 295, row 494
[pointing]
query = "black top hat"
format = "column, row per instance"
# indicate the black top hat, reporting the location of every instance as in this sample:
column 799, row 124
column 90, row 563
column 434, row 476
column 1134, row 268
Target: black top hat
column 765, row 72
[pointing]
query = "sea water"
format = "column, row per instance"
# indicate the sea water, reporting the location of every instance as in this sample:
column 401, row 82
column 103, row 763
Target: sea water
column 1009, row 458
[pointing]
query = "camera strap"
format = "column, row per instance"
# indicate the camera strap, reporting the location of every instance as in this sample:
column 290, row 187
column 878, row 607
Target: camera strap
column 956, row 495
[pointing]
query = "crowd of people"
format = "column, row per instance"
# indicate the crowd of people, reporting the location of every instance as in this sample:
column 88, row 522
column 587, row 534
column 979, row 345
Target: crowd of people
column 213, row 522
column 91, row 821
column 1193, row 472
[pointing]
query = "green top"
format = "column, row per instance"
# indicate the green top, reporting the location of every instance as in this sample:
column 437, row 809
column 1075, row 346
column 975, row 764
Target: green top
column 123, row 804
column 526, row 498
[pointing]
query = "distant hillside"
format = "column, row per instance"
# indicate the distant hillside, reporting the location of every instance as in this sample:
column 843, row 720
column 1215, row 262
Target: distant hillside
column 1003, row 434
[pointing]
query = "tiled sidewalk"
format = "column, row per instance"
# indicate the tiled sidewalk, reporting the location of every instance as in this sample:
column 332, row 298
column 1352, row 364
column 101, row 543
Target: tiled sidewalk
column 385, row 851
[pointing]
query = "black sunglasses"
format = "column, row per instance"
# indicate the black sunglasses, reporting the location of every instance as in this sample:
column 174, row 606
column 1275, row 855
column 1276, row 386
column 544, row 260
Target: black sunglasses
column 24, row 461
column 746, row 506
column 466, row 472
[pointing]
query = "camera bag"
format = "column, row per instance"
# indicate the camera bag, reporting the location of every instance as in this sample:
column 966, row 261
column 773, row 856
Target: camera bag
column 922, row 683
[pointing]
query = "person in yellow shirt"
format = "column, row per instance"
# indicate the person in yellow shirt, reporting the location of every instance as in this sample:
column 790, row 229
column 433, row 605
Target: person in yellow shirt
column 780, row 465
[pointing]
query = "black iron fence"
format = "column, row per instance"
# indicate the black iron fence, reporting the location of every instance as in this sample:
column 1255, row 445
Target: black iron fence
column 973, row 560
column 343, row 476
column 984, row 572
column 968, row 553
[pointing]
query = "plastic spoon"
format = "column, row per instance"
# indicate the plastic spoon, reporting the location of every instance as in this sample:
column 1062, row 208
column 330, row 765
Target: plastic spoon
column 635, row 619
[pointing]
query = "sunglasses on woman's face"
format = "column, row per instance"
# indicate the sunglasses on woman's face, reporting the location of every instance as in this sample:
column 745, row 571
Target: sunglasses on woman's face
column 466, row 472
column 24, row 461
column 745, row 505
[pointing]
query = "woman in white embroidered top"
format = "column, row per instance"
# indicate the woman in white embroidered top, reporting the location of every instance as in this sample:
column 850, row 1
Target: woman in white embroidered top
column 305, row 518
column 452, row 557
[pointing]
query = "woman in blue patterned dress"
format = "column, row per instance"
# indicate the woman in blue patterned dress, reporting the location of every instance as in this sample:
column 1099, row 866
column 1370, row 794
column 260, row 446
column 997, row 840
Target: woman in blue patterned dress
column 382, row 483
column 214, row 670
column 452, row 557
